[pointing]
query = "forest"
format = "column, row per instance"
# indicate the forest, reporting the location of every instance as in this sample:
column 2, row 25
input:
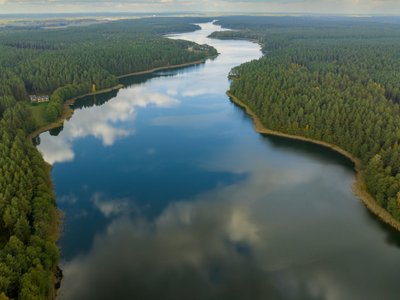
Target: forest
column 63, row 63
column 335, row 80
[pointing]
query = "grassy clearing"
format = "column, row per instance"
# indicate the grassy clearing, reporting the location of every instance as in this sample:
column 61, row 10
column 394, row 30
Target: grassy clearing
column 38, row 113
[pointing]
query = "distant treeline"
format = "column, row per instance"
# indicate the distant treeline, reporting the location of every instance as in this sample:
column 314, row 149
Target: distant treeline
column 336, row 80
column 62, row 63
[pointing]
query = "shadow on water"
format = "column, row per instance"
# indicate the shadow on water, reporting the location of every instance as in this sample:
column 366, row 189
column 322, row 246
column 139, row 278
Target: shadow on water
column 140, row 79
column 137, row 79
column 392, row 236
column 319, row 152
column 304, row 148
column 36, row 140
column 56, row 131
column 94, row 100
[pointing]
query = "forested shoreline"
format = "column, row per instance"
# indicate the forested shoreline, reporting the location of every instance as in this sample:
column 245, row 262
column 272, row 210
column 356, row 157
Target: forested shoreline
column 67, row 111
column 64, row 64
column 335, row 81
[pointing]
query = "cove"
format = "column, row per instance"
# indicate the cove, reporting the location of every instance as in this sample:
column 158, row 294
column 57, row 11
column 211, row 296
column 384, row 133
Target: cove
column 169, row 193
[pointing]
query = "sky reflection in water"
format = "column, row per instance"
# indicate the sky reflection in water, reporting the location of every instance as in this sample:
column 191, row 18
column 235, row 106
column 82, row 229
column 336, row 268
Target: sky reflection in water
column 168, row 193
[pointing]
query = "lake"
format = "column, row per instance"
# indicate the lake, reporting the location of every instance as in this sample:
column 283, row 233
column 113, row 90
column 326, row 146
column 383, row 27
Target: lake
column 169, row 193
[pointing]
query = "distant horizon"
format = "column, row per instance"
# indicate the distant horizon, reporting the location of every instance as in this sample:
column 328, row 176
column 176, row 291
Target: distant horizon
column 198, row 13
column 304, row 7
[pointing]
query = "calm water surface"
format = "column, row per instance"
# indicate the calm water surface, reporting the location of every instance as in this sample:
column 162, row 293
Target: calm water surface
column 168, row 193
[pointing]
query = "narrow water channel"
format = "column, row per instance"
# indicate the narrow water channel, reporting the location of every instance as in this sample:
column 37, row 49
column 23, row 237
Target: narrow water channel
column 169, row 193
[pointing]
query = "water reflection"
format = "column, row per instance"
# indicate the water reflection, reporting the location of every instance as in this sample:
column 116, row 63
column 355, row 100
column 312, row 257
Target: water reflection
column 137, row 80
column 227, row 244
column 102, row 122
column 187, row 253
column 96, row 100
column 170, row 194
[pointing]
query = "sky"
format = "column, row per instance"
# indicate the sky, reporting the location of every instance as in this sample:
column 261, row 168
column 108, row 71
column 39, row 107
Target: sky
column 390, row 7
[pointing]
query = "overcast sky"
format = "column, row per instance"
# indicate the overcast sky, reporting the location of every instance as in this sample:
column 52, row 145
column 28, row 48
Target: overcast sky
column 303, row 6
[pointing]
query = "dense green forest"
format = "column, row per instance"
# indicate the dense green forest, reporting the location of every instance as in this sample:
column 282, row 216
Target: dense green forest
column 335, row 80
column 28, row 233
column 62, row 63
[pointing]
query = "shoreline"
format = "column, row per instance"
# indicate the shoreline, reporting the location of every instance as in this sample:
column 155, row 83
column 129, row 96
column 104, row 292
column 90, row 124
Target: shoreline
column 68, row 111
column 194, row 63
column 359, row 185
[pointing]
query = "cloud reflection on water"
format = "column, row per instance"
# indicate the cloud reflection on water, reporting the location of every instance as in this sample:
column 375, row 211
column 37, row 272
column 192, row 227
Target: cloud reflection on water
column 228, row 244
column 217, row 245
column 189, row 252
column 104, row 122
column 101, row 122
column 288, row 229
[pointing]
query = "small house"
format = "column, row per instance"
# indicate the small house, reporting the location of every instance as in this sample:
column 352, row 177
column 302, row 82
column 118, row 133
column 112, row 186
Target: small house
column 39, row 98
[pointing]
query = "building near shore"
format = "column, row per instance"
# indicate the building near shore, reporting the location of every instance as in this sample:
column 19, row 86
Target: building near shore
column 39, row 98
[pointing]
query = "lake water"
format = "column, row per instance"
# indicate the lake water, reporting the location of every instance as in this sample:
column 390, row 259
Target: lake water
column 169, row 193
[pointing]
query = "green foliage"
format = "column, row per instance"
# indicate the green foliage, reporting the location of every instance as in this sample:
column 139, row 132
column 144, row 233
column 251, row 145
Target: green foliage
column 29, row 246
column 335, row 83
